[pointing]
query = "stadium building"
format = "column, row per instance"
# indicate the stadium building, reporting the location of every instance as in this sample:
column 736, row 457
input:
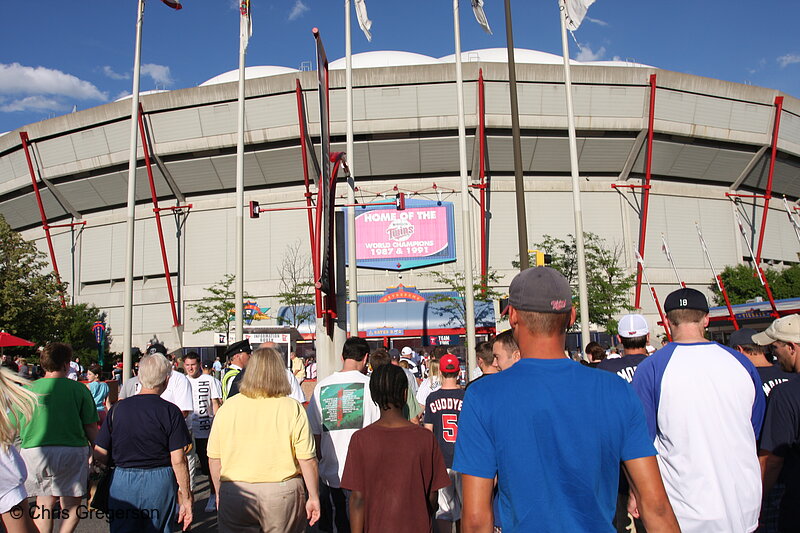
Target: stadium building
column 709, row 138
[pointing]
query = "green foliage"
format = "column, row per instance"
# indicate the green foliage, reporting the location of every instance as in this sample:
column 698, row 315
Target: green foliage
column 217, row 309
column 29, row 300
column 455, row 306
column 606, row 279
column 742, row 284
column 296, row 286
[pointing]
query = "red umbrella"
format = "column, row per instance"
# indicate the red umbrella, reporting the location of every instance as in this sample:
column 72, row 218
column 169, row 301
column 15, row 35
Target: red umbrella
column 7, row 339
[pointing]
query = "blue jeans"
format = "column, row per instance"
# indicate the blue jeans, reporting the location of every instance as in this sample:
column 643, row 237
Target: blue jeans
column 143, row 500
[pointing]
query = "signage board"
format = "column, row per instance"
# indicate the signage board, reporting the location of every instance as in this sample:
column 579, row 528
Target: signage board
column 385, row 332
column 420, row 235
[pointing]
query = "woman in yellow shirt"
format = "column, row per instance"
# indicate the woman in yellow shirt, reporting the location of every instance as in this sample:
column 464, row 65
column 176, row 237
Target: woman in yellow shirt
column 260, row 452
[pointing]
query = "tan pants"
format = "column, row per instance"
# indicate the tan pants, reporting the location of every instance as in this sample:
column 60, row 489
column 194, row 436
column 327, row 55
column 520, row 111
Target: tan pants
column 262, row 507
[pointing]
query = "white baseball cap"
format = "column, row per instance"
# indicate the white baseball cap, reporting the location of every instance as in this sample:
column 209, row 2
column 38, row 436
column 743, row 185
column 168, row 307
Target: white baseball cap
column 407, row 351
column 633, row 326
column 786, row 329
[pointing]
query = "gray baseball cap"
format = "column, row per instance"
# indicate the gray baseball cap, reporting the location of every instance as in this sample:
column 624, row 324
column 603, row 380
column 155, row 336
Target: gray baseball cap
column 541, row 290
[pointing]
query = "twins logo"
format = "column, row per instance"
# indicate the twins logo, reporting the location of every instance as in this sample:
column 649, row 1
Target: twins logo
column 400, row 230
column 558, row 305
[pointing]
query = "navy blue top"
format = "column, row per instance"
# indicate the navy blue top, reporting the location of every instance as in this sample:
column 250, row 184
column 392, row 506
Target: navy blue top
column 141, row 431
column 624, row 366
column 554, row 432
column 442, row 409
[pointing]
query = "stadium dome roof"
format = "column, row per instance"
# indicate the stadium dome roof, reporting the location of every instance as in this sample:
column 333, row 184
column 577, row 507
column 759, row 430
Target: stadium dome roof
column 384, row 58
column 500, row 55
column 142, row 93
column 249, row 74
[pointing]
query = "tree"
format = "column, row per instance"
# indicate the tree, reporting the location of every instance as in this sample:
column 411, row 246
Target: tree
column 742, row 284
column 296, row 286
column 29, row 290
column 606, row 279
column 30, row 306
column 217, row 310
column 455, row 306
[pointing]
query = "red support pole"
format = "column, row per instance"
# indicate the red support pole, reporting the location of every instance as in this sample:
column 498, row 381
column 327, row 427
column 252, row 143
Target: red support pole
column 661, row 314
column 156, row 210
column 727, row 302
column 646, row 195
column 312, row 235
column 23, row 135
column 482, row 167
column 768, row 193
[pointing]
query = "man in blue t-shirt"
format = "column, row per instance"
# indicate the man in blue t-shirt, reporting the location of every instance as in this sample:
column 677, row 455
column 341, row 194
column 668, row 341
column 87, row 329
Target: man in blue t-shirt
column 553, row 431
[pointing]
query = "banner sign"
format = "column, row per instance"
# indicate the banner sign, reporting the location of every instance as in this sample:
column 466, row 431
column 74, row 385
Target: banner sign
column 422, row 234
column 385, row 332
column 256, row 338
column 441, row 340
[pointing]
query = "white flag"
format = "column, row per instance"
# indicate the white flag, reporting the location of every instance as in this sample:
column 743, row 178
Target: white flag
column 245, row 24
column 363, row 19
column 575, row 11
column 480, row 16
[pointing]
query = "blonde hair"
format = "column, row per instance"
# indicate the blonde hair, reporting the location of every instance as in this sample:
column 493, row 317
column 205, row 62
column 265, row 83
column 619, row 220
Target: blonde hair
column 433, row 370
column 265, row 376
column 17, row 401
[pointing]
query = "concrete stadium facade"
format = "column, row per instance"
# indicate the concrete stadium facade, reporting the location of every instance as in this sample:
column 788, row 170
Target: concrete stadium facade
column 710, row 137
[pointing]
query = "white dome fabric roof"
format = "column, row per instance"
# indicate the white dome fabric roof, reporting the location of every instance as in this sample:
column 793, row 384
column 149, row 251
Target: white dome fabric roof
column 249, row 74
column 616, row 63
column 142, row 93
column 500, row 55
column 384, row 58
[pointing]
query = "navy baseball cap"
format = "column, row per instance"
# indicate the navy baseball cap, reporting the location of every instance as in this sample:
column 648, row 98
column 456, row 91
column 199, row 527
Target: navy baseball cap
column 741, row 337
column 541, row 290
column 238, row 347
column 686, row 298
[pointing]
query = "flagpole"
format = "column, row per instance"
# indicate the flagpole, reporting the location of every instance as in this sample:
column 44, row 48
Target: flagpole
column 127, row 328
column 519, row 180
column 239, row 202
column 583, row 294
column 466, row 218
column 352, row 269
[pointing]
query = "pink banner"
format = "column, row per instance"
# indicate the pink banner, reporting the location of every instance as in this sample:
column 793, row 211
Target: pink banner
column 411, row 233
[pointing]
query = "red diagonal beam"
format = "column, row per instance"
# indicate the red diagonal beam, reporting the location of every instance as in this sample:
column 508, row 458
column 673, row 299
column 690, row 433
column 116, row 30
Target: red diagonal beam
column 23, row 135
column 157, row 211
column 768, row 193
column 646, row 194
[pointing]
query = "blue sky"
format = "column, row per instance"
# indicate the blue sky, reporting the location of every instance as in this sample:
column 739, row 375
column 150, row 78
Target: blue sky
column 59, row 54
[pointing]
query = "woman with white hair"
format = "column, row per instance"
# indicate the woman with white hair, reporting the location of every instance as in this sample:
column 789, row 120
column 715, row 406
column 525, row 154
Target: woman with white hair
column 260, row 452
column 146, row 436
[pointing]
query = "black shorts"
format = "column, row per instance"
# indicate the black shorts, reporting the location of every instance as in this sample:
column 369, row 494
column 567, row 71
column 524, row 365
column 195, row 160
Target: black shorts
column 202, row 453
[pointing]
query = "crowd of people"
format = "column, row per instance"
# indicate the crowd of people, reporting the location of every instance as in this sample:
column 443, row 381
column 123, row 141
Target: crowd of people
column 679, row 439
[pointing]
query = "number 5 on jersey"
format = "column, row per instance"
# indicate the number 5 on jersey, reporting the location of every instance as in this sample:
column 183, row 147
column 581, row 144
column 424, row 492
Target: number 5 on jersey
column 449, row 427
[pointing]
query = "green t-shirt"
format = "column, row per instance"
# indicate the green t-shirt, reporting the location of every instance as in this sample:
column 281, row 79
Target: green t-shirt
column 65, row 406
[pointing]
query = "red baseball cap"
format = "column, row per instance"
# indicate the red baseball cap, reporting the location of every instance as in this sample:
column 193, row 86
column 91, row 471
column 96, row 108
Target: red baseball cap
column 449, row 363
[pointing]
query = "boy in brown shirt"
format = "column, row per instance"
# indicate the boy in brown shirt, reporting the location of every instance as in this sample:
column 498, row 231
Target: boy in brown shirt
column 394, row 468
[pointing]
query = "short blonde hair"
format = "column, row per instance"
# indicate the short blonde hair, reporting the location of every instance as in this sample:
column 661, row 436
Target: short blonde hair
column 265, row 376
column 154, row 370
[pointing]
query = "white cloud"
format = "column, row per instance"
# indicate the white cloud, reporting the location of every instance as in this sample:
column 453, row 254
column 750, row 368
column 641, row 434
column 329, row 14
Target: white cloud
column 298, row 9
column 159, row 73
column 788, row 59
column 597, row 21
column 587, row 54
column 33, row 103
column 122, row 95
column 108, row 71
column 19, row 79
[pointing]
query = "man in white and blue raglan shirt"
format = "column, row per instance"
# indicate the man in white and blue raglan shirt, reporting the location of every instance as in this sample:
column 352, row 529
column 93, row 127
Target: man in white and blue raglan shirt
column 556, row 462
column 704, row 408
